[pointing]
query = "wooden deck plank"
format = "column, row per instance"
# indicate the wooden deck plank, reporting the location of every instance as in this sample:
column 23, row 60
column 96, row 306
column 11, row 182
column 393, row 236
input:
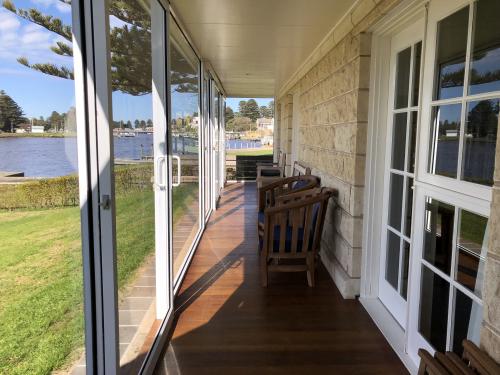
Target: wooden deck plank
column 226, row 323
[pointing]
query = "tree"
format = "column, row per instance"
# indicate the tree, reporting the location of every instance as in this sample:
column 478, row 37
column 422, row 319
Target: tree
column 11, row 114
column 229, row 114
column 265, row 112
column 128, row 124
column 136, row 123
column 271, row 108
column 55, row 121
column 241, row 124
column 129, row 43
column 241, row 107
column 251, row 110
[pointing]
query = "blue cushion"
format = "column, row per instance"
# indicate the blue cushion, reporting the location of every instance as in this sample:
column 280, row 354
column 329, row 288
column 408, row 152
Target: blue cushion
column 270, row 172
column 261, row 217
column 299, row 184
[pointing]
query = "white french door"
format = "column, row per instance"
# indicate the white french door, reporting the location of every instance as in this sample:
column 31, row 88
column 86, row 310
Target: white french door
column 402, row 119
column 458, row 131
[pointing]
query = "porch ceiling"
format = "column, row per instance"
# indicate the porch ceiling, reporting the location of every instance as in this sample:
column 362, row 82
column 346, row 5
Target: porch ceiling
column 256, row 45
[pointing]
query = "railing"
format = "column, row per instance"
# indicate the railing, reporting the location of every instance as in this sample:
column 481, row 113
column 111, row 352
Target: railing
column 239, row 167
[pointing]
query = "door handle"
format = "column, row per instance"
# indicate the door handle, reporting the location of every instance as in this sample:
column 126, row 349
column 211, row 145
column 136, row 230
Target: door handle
column 160, row 173
column 178, row 171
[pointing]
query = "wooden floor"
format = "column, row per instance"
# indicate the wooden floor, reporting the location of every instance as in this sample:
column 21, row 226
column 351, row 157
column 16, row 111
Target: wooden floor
column 226, row 323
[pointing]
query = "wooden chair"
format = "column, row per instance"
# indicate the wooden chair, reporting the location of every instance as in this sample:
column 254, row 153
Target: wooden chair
column 267, row 194
column 290, row 235
column 269, row 172
column 300, row 169
column 473, row 362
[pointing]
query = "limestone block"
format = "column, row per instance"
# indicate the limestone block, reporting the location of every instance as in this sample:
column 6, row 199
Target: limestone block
column 494, row 241
column 490, row 341
column 356, row 197
column 491, row 292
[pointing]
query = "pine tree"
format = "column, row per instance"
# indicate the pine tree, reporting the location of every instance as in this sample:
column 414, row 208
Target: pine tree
column 271, row 108
column 129, row 43
column 11, row 113
column 229, row 114
column 251, row 110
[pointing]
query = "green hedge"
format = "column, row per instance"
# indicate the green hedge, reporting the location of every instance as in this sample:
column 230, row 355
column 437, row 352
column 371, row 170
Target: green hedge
column 63, row 191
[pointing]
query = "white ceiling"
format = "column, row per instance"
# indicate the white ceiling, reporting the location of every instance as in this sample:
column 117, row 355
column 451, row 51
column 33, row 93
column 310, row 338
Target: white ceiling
column 256, row 45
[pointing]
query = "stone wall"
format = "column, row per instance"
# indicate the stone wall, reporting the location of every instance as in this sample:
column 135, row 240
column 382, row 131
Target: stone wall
column 333, row 106
column 490, row 331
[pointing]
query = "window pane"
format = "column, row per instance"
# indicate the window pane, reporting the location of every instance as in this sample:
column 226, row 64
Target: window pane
column 450, row 55
column 416, row 73
column 438, row 234
column 392, row 261
column 485, row 60
column 409, row 206
column 403, row 67
column 41, row 278
column 399, row 141
column 406, row 267
column 467, row 322
column 433, row 319
column 396, row 201
column 472, row 244
column 480, row 141
column 445, row 136
column 412, row 142
column 185, row 121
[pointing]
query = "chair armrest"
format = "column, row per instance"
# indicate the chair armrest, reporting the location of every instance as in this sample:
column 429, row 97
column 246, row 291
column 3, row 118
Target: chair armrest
column 269, row 167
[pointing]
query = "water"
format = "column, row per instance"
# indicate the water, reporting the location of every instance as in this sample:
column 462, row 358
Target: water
column 53, row 157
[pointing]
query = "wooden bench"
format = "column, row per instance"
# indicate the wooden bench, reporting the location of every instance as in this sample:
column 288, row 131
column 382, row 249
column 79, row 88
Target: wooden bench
column 473, row 362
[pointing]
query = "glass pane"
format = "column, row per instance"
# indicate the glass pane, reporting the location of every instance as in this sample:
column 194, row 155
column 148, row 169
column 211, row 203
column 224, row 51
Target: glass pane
column 472, row 244
column 438, row 234
column 130, row 36
column 417, row 57
column 184, row 127
column 480, row 141
column 403, row 67
column 485, row 60
column 445, row 136
column 41, row 280
column 433, row 318
column 409, row 206
column 450, row 55
column 392, row 260
column 412, row 142
column 399, row 141
column 406, row 267
column 396, row 201
column 207, row 144
column 467, row 321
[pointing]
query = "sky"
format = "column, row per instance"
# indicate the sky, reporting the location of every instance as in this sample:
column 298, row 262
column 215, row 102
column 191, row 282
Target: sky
column 233, row 102
column 39, row 94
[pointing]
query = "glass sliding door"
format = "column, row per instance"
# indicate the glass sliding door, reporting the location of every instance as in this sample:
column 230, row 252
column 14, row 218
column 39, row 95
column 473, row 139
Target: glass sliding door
column 207, row 146
column 41, row 278
column 184, row 137
column 138, row 155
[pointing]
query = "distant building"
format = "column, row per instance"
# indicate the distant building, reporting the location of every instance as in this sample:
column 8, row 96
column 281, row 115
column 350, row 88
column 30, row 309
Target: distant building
column 37, row 129
column 195, row 122
column 265, row 123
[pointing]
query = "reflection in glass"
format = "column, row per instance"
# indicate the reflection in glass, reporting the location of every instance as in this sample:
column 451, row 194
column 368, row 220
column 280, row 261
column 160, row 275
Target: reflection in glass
column 406, row 267
column 450, row 55
column 399, row 141
column 416, row 73
column 485, row 59
column 445, row 134
column 438, row 234
column 472, row 244
column 412, row 142
column 131, row 76
column 480, row 140
column 433, row 316
column 392, row 261
column 396, row 201
column 184, row 128
column 467, row 321
column 403, row 67
column 409, row 206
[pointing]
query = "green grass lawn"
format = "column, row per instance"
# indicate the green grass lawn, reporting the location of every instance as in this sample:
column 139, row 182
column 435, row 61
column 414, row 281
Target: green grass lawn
column 41, row 296
column 267, row 151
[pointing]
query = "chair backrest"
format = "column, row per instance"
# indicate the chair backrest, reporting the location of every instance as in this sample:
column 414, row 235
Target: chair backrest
column 478, row 360
column 300, row 170
column 282, row 159
column 297, row 220
column 287, row 185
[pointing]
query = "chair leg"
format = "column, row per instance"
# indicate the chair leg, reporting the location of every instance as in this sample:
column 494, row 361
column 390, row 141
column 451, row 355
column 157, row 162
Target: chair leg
column 310, row 270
